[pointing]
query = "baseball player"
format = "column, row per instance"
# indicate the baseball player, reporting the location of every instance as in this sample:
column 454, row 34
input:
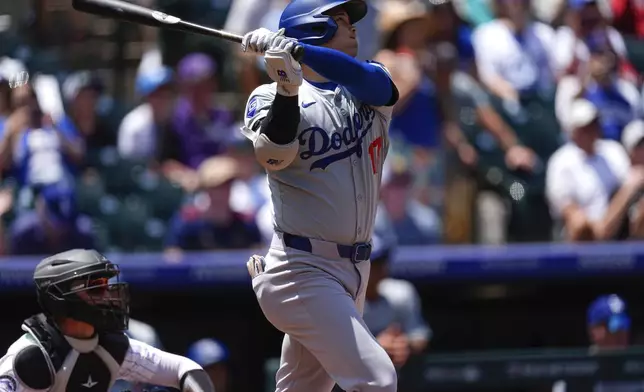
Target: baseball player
column 321, row 132
column 609, row 330
column 392, row 307
column 78, row 343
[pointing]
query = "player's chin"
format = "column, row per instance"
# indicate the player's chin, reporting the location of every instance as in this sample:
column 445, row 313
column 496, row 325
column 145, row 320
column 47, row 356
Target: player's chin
column 352, row 49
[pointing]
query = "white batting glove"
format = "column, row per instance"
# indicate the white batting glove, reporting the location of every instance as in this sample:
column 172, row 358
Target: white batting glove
column 284, row 70
column 260, row 40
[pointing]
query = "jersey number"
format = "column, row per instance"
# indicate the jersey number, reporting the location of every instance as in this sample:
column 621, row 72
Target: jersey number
column 375, row 151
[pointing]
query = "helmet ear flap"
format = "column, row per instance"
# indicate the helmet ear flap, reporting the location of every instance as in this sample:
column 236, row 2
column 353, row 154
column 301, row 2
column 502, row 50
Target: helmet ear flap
column 51, row 304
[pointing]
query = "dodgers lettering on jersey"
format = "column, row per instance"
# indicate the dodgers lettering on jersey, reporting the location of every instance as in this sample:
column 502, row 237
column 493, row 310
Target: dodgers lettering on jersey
column 330, row 191
column 340, row 144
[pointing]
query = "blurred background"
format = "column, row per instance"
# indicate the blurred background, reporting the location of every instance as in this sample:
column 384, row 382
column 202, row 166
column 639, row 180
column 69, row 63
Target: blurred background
column 511, row 207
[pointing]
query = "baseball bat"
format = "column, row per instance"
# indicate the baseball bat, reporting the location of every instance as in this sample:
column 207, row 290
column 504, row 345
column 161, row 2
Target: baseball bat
column 134, row 13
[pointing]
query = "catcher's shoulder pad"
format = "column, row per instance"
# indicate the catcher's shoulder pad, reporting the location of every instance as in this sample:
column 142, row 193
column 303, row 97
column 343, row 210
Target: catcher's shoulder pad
column 36, row 364
column 116, row 344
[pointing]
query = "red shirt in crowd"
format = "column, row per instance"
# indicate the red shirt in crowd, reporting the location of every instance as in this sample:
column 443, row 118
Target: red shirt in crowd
column 628, row 16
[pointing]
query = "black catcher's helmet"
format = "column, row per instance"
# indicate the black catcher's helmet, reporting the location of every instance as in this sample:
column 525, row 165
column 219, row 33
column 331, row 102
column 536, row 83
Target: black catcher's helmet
column 76, row 284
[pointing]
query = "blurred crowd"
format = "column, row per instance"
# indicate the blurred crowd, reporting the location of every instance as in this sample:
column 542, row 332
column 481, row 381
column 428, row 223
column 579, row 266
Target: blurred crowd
column 518, row 121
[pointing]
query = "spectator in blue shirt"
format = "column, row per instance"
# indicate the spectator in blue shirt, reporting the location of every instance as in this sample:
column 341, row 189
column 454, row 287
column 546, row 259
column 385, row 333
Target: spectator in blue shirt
column 416, row 117
column 616, row 98
column 412, row 222
column 207, row 222
column 38, row 153
column 54, row 226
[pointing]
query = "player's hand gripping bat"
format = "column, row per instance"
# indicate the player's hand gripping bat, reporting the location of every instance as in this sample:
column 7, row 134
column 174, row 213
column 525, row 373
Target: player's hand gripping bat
column 129, row 12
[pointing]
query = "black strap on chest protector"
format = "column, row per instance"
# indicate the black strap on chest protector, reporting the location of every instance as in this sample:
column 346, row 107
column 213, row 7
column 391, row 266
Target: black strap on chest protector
column 36, row 365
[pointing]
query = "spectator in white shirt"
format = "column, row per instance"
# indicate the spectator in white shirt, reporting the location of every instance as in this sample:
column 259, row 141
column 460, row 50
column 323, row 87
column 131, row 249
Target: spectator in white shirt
column 140, row 128
column 633, row 141
column 513, row 52
column 589, row 181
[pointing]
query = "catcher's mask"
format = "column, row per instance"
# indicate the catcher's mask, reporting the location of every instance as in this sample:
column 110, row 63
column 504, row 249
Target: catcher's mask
column 83, row 285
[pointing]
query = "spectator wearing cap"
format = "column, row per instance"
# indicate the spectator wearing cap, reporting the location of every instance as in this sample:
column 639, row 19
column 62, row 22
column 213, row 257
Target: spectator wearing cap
column 416, row 118
column 37, row 153
column 208, row 222
column 590, row 183
column 585, row 21
column 212, row 356
column 199, row 130
column 513, row 53
column 633, row 142
column 392, row 309
column 616, row 98
column 81, row 91
column 141, row 129
column 53, row 226
column 412, row 222
column 608, row 323
column 448, row 27
column 608, row 327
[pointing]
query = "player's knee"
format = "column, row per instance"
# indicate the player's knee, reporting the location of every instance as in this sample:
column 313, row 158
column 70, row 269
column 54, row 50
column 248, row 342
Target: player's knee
column 385, row 379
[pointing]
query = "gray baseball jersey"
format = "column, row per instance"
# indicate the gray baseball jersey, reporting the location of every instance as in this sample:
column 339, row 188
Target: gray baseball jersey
column 330, row 191
column 329, row 194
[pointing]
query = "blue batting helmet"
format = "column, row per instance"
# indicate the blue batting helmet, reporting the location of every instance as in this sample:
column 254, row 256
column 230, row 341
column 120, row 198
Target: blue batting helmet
column 207, row 352
column 308, row 22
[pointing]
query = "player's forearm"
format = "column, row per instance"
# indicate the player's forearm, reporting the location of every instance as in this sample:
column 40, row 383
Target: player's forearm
column 493, row 122
column 367, row 82
column 605, row 229
column 280, row 124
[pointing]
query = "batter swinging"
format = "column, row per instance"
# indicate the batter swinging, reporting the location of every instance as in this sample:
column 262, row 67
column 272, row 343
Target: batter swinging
column 321, row 133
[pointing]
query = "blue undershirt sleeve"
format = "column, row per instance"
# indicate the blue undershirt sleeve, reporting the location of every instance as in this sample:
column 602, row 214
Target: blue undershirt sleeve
column 368, row 82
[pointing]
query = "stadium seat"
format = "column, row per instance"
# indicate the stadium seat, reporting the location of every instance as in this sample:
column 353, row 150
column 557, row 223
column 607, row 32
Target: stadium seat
column 120, row 174
column 101, row 235
column 128, row 223
column 89, row 191
column 153, row 235
column 161, row 196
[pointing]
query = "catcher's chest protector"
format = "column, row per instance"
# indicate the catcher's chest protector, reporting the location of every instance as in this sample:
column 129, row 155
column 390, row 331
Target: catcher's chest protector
column 52, row 362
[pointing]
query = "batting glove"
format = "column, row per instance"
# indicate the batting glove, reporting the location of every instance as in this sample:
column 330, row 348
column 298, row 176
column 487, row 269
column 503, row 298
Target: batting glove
column 260, row 40
column 283, row 69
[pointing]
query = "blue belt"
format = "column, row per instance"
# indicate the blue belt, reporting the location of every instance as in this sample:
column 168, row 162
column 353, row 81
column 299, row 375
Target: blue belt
column 357, row 253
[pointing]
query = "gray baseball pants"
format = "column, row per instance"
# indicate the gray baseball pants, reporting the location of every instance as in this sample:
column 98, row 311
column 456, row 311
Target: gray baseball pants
column 317, row 300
